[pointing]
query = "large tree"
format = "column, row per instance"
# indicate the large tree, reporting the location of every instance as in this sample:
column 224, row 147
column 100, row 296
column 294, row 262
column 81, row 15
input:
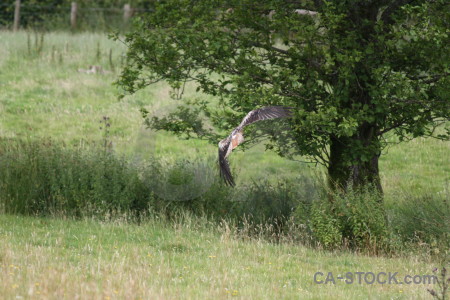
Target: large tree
column 354, row 70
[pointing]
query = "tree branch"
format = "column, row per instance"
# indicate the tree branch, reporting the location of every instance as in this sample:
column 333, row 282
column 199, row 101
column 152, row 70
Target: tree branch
column 430, row 79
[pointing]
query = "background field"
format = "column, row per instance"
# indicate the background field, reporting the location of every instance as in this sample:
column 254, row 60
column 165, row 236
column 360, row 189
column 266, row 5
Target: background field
column 42, row 95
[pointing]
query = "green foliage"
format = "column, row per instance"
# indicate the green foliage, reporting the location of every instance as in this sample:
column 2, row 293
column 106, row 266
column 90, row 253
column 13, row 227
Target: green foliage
column 354, row 71
column 359, row 220
column 362, row 218
column 31, row 13
column 356, row 220
column 324, row 225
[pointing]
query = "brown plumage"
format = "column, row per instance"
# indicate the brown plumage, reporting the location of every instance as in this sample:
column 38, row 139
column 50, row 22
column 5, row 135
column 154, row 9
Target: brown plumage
column 236, row 137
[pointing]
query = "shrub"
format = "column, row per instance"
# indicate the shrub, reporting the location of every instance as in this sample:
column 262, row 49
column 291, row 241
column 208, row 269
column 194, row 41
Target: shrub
column 355, row 219
column 324, row 225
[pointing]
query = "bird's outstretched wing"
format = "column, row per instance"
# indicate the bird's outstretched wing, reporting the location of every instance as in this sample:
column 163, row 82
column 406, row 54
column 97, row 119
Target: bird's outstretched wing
column 225, row 171
column 265, row 113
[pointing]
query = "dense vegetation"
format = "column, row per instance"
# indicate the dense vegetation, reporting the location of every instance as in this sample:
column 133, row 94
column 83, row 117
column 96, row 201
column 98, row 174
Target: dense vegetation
column 46, row 178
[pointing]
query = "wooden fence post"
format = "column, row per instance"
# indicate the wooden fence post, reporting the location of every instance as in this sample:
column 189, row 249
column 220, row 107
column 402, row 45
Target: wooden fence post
column 73, row 15
column 17, row 16
column 126, row 13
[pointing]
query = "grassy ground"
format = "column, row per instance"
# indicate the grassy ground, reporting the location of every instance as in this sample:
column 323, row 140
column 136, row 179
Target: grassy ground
column 64, row 259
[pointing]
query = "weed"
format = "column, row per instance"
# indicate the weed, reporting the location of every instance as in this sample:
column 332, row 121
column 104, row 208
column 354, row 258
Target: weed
column 105, row 127
column 443, row 282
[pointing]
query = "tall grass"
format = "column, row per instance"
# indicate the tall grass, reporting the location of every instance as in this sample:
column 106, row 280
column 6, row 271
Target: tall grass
column 46, row 177
column 424, row 221
column 43, row 177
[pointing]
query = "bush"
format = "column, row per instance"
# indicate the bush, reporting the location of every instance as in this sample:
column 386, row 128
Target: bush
column 324, row 225
column 356, row 220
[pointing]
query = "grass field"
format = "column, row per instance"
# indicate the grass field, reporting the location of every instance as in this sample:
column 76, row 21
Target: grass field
column 43, row 95
column 64, row 259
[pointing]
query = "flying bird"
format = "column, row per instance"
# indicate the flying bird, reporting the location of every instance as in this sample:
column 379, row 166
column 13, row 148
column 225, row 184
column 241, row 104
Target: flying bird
column 237, row 135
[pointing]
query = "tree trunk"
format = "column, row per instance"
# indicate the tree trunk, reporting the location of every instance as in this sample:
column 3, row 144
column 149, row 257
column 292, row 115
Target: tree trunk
column 351, row 167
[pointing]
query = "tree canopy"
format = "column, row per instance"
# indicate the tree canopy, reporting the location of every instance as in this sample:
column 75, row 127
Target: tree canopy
column 354, row 70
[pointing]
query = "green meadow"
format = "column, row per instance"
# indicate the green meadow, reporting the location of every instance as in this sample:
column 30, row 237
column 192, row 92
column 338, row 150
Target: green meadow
column 189, row 259
column 45, row 96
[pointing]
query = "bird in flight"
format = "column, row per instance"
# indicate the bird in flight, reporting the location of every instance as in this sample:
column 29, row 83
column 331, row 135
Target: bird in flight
column 236, row 137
